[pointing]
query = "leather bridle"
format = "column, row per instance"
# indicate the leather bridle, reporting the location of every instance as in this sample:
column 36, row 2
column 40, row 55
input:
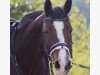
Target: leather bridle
column 60, row 44
column 54, row 47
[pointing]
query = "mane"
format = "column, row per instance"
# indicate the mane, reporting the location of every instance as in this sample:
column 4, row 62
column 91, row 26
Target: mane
column 29, row 18
column 58, row 13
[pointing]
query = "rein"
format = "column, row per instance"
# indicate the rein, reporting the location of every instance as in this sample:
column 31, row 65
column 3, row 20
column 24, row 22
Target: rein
column 79, row 65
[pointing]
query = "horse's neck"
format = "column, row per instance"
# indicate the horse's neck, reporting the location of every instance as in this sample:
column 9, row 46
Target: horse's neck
column 40, row 69
column 29, row 48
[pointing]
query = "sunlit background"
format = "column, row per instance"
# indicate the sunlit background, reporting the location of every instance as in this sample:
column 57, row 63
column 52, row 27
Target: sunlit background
column 80, row 20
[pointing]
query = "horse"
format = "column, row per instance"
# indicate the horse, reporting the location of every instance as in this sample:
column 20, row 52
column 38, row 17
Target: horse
column 41, row 37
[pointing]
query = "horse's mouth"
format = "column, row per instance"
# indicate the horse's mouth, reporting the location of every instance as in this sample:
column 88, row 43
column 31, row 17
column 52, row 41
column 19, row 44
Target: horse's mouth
column 62, row 70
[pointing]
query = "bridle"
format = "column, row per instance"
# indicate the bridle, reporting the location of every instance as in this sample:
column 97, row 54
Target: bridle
column 60, row 44
column 54, row 47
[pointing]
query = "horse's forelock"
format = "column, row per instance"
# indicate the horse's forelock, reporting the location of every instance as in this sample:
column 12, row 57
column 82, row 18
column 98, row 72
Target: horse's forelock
column 58, row 13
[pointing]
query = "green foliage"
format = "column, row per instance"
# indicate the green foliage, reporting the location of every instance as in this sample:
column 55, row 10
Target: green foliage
column 81, row 42
column 19, row 8
column 80, row 34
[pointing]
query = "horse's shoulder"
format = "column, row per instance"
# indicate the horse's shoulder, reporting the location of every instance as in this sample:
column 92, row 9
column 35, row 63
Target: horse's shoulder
column 28, row 18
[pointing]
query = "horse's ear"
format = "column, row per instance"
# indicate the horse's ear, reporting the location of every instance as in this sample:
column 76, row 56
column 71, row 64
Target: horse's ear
column 67, row 6
column 48, row 7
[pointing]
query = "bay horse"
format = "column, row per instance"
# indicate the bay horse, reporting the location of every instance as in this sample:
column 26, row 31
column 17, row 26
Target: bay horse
column 40, row 37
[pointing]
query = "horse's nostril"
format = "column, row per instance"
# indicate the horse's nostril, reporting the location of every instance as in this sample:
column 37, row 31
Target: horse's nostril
column 57, row 65
column 68, row 66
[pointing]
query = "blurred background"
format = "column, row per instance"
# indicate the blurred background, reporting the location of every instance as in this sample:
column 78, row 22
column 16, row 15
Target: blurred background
column 80, row 20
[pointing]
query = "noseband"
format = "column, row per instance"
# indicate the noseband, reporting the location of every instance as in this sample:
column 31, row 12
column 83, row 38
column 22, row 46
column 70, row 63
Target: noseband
column 50, row 61
column 58, row 46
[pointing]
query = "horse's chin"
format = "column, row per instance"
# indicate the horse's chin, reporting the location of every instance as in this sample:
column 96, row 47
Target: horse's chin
column 60, row 72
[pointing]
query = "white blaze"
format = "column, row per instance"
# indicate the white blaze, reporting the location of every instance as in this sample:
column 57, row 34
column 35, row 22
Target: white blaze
column 59, row 26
